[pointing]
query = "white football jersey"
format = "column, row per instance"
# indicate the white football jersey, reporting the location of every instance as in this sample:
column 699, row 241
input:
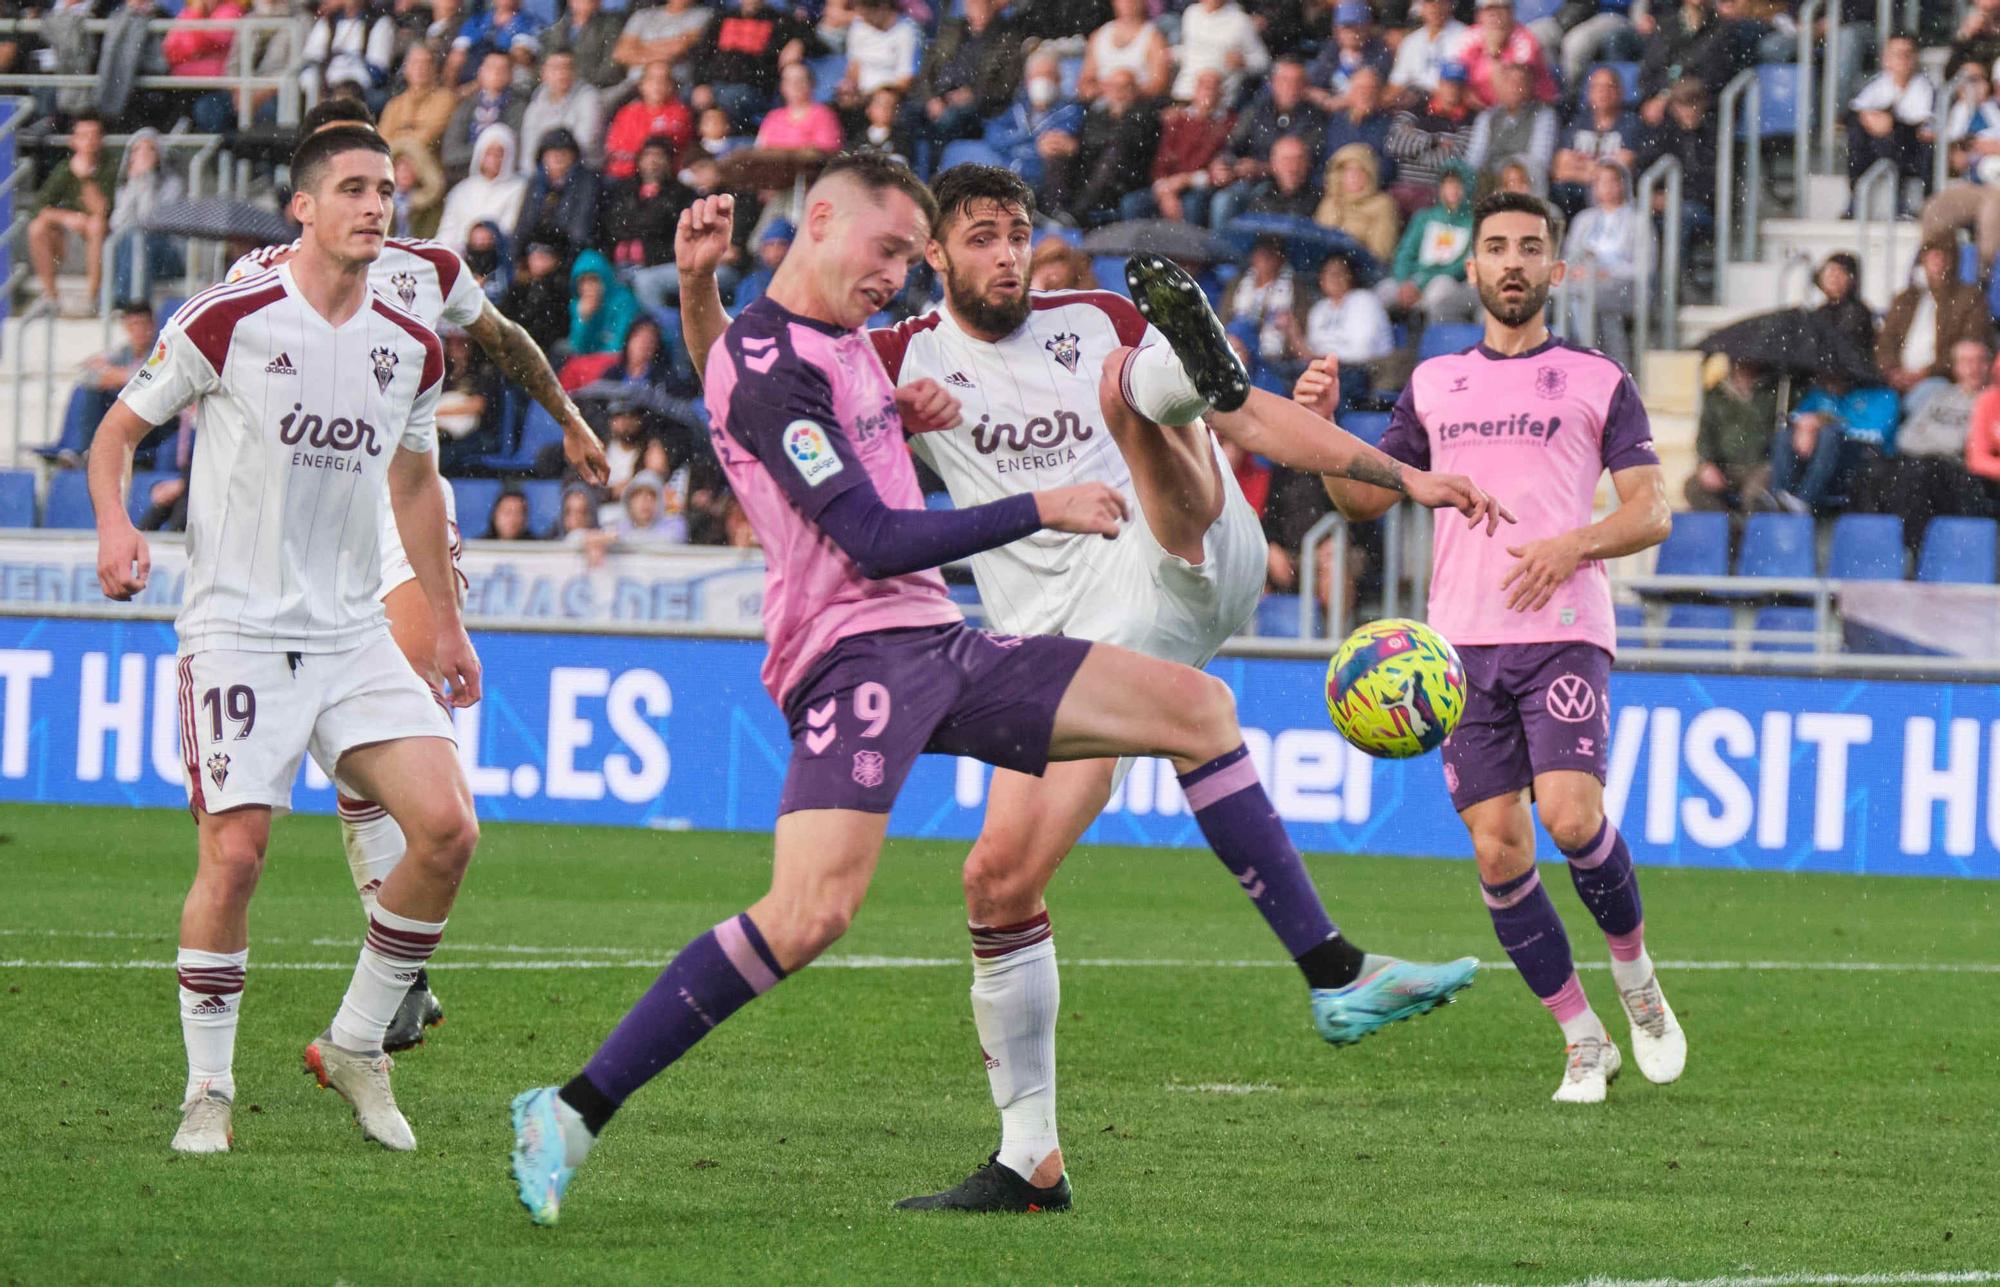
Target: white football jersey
column 430, row 281
column 1031, row 422
column 296, row 422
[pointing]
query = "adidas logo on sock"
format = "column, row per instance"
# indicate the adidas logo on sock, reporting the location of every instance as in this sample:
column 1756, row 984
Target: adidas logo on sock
column 281, row 365
column 960, row 379
column 212, row 1005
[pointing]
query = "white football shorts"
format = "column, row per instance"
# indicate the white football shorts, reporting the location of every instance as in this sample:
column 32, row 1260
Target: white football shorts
column 247, row 718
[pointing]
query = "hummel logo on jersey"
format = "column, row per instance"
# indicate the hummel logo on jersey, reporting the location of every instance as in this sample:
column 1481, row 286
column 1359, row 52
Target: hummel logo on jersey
column 211, row 1005
column 960, row 379
column 281, row 365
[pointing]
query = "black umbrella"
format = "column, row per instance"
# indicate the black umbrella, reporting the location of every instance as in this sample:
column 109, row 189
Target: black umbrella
column 1169, row 237
column 221, row 219
column 1307, row 244
column 1795, row 341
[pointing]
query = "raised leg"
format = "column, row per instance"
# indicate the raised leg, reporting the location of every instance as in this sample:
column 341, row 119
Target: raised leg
column 1174, row 470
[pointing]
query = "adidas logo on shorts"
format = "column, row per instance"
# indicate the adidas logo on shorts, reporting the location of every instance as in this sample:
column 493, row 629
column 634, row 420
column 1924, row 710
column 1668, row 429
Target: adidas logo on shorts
column 281, row 365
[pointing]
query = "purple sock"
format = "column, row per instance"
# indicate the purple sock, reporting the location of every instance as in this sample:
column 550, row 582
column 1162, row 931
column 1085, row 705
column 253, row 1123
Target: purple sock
column 1528, row 928
column 1229, row 804
column 1605, row 881
column 713, row 977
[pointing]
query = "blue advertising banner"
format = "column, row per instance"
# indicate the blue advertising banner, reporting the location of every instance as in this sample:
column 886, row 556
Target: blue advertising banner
column 1882, row 777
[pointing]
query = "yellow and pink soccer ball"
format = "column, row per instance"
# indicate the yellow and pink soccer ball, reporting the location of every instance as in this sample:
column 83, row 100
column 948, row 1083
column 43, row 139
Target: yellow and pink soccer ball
column 1395, row 689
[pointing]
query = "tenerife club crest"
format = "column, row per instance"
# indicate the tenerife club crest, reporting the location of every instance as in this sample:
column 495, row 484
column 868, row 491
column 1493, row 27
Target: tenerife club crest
column 1550, row 382
column 1064, row 347
column 406, row 288
column 384, row 361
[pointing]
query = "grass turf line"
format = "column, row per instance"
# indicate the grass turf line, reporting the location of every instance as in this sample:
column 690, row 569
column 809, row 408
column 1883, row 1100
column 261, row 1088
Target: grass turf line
column 1829, row 1123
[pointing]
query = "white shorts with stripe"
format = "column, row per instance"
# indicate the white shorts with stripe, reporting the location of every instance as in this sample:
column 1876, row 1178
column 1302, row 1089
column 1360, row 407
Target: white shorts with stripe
column 248, row 718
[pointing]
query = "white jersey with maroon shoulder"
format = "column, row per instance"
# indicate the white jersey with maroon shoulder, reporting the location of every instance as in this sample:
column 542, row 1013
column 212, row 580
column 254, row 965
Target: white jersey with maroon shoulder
column 296, row 423
column 430, row 281
column 1031, row 422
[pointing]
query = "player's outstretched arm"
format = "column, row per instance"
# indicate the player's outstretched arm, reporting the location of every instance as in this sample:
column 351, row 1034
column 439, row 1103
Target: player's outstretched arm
column 1641, row 521
column 417, row 499
column 701, row 239
column 123, row 561
column 523, row 361
column 885, row 542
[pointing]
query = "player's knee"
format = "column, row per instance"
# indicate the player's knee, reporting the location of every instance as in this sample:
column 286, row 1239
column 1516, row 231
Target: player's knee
column 444, row 836
column 1209, row 701
column 1003, row 883
column 231, row 868
column 807, row 931
column 1502, row 853
column 1572, row 824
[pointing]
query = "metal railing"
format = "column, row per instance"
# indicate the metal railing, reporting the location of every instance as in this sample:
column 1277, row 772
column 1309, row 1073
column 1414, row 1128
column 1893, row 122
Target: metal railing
column 1667, row 171
column 1941, row 108
column 1802, row 119
column 1333, row 525
column 1576, row 307
column 1868, row 191
column 243, row 82
column 1746, row 87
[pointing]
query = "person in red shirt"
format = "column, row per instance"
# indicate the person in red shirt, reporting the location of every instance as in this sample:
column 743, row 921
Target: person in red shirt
column 1190, row 138
column 657, row 113
column 204, row 51
column 1497, row 40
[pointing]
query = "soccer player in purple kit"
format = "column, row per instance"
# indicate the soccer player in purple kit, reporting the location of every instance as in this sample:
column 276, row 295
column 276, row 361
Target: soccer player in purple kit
column 1535, row 627
column 873, row 665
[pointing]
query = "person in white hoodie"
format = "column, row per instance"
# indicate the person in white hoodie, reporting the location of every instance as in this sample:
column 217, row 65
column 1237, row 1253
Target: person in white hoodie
column 144, row 182
column 492, row 191
column 1609, row 246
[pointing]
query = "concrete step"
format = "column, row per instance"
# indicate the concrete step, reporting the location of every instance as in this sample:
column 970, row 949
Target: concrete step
column 1826, row 196
column 1672, row 380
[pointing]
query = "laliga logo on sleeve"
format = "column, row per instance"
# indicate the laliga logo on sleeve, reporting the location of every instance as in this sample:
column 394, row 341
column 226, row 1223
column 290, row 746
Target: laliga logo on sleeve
column 384, row 361
column 812, row 454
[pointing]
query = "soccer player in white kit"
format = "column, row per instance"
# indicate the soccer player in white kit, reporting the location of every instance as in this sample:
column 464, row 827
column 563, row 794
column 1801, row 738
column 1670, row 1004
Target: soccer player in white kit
column 431, row 281
column 1050, row 385
column 315, row 403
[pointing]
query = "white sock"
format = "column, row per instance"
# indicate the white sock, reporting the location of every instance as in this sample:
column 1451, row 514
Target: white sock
column 1631, row 974
column 374, row 845
column 1156, row 386
column 1015, row 999
column 396, row 948
column 211, row 986
column 577, row 1138
column 1587, row 1024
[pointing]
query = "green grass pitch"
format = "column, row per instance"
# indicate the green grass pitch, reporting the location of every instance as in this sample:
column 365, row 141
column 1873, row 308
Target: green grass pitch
column 1843, row 1122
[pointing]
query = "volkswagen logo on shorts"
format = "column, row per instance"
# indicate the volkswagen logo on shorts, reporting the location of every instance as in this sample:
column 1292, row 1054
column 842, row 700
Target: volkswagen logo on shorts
column 1571, row 700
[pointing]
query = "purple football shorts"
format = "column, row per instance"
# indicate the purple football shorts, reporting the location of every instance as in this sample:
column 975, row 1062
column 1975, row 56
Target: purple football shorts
column 1529, row 709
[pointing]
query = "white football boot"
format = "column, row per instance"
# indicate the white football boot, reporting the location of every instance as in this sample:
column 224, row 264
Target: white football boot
column 1593, row 1064
column 204, row 1124
column 363, row 1081
column 1659, row 1046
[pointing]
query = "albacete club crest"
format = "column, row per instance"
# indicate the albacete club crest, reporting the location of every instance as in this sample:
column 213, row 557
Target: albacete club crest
column 1064, row 347
column 1550, row 382
column 384, row 360
column 218, row 769
column 406, row 288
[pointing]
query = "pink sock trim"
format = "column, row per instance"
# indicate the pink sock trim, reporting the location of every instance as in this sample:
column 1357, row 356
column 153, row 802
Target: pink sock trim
column 1217, row 786
column 737, row 947
column 1629, row 946
column 1595, row 855
column 1513, row 897
column 1568, row 1001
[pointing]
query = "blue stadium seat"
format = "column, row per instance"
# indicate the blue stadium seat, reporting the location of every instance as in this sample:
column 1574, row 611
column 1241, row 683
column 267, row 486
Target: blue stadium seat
column 938, row 500
column 1777, row 545
column 1630, row 620
column 969, row 152
column 1697, row 546
column 475, row 497
column 1866, row 547
column 1110, row 270
column 1778, row 90
column 1957, row 551
column 68, row 501
column 827, row 72
column 965, row 596
column 1449, row 337
column 538, row 431
column 1278, row 616
column 140, row 498
column 1781, row 619
column 1699, row 616
column 1369, row 426
column 544, row 505
column 17, row 498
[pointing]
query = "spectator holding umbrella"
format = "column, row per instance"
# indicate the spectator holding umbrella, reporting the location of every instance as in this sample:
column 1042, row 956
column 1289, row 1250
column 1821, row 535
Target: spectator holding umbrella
column 1839, row 284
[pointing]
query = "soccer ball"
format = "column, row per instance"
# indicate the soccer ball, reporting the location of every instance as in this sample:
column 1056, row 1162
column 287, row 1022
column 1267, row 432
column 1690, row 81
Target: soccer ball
column 1395, row 689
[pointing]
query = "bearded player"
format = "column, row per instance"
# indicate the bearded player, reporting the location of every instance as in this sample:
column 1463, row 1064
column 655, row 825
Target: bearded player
column 431, row 281
column 1050, row 385
column 315, row 408
column 1533, row 624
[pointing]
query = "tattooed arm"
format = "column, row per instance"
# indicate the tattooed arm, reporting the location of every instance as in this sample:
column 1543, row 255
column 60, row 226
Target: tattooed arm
column 523, row 362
